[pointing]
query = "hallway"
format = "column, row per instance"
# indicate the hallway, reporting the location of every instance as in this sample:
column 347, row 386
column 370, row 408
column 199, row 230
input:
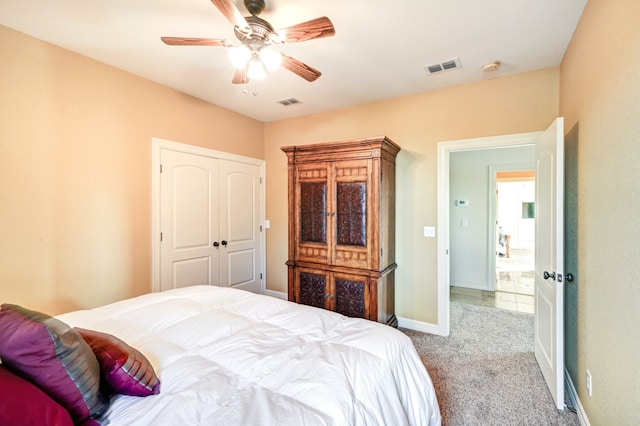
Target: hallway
column 515, row 285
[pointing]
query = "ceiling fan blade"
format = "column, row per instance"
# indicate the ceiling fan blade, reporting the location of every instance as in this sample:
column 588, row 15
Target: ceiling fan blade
column 300, row 68
column 231, row 12
column 240, row 76
column 316, row 28
column 190, row 41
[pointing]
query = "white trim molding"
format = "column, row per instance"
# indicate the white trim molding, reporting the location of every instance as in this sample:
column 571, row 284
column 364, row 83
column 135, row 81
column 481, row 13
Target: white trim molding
column 277, row 294
column 425, row 327
column 444, row 150
column 157, row 145
column 573, row 397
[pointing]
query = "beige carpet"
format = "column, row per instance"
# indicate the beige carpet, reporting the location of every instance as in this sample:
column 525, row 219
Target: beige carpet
column 485, row 372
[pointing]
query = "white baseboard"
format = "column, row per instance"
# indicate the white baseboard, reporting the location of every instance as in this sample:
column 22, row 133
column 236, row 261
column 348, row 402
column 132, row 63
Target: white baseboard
column 471, row 285
column 425, row 327
column 573, row 396
column 278, row 294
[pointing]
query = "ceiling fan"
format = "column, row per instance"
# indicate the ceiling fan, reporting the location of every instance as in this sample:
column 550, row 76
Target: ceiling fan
column 256, row 37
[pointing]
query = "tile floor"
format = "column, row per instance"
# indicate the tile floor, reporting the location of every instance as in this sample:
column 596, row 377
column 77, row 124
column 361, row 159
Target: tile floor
column 515, row 288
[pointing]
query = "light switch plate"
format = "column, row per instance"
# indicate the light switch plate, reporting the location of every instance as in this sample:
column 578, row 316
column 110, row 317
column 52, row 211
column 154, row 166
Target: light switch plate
column 429, row 231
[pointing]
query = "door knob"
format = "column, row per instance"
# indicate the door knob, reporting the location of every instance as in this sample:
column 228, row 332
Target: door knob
column 224, row 243
column 570, row 278
column 216, row 244
column 547, row 275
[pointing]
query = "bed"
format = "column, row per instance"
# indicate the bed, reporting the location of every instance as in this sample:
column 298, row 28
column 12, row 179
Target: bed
column 230, row 357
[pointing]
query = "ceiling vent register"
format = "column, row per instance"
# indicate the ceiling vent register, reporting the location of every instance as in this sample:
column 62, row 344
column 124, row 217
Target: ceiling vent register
column 451, row 64
column 290, row 101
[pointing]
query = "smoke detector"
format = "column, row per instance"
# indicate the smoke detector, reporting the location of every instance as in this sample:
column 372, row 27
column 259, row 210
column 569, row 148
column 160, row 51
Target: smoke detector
column 491, row 66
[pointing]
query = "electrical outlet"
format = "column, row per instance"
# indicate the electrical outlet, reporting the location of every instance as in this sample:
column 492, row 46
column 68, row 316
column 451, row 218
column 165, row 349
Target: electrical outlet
column 589, row 384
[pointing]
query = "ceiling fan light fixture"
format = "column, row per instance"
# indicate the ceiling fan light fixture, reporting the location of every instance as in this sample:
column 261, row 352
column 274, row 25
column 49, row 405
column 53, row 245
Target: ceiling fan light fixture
column 249, row 57
column 256, row 70
column 239, row 56
column 270, row 58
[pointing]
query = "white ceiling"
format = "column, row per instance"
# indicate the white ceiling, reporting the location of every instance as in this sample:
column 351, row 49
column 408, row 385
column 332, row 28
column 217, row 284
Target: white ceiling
column 378, row 52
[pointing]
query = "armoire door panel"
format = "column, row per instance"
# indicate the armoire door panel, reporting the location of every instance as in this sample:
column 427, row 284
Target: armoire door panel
column 352, row 257
column 313, row 212
column 351, row 214
column 312, row 224
column 350, row 296
column 310, row 252
column 312, row 288
column 352, row 205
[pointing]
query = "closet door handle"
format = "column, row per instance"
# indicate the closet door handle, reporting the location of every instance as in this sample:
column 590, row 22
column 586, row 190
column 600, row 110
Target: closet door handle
column 547, row 275
column 216, row 244
column 224, row 243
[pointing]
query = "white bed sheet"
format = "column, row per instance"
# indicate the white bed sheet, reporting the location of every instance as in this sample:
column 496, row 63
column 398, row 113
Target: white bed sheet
column 230, row 357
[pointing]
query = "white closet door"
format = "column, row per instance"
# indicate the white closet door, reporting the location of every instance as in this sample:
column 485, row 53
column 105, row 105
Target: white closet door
column 240, row 231
column 189, row 218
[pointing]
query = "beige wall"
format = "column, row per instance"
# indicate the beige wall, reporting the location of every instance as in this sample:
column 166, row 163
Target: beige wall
column 523, row 103
column 75, row 172
column 600, row 98
column 75, row 180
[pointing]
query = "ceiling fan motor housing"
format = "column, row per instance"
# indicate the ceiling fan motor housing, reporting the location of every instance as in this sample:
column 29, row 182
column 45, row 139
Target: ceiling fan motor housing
column 260, row 33
column 255, row 7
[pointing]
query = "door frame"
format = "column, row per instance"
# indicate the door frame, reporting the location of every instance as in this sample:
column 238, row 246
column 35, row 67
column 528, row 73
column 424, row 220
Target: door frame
column 443, row 202
column 157, row 145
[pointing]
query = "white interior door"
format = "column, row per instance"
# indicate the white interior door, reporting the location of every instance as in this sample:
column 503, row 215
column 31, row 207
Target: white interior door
column 240, row 230
column 188, row 216
column 549, row 304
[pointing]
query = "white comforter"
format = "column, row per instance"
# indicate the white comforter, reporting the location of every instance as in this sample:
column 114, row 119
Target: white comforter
column 229, row 357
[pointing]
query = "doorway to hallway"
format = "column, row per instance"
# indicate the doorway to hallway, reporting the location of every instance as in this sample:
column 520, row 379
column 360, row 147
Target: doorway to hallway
column 515, row 247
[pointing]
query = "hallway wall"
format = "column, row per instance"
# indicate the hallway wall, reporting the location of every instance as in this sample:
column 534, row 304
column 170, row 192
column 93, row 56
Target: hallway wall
column 469, row 180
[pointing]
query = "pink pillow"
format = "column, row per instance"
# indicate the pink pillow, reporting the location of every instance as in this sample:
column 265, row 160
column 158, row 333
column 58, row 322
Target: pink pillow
column 23, row 403
column 52, row 356
column 124, row 369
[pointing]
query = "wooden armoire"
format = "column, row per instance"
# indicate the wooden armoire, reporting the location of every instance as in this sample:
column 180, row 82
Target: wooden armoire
column 342, row 227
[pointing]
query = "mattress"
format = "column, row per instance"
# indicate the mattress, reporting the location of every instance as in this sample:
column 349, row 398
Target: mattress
column 230, row 357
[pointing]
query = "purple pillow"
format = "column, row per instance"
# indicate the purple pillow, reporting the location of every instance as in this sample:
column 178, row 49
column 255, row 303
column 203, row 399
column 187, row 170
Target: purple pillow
column 23, row 403
column 54, row 357
column 124, row 369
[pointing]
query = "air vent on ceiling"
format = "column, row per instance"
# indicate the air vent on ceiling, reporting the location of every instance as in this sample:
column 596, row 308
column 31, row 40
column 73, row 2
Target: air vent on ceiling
column 451, row 64
column 290, row 101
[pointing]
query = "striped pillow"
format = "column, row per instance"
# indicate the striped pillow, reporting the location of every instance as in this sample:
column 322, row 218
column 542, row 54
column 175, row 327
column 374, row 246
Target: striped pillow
column 125, row 370
column 54, row 357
